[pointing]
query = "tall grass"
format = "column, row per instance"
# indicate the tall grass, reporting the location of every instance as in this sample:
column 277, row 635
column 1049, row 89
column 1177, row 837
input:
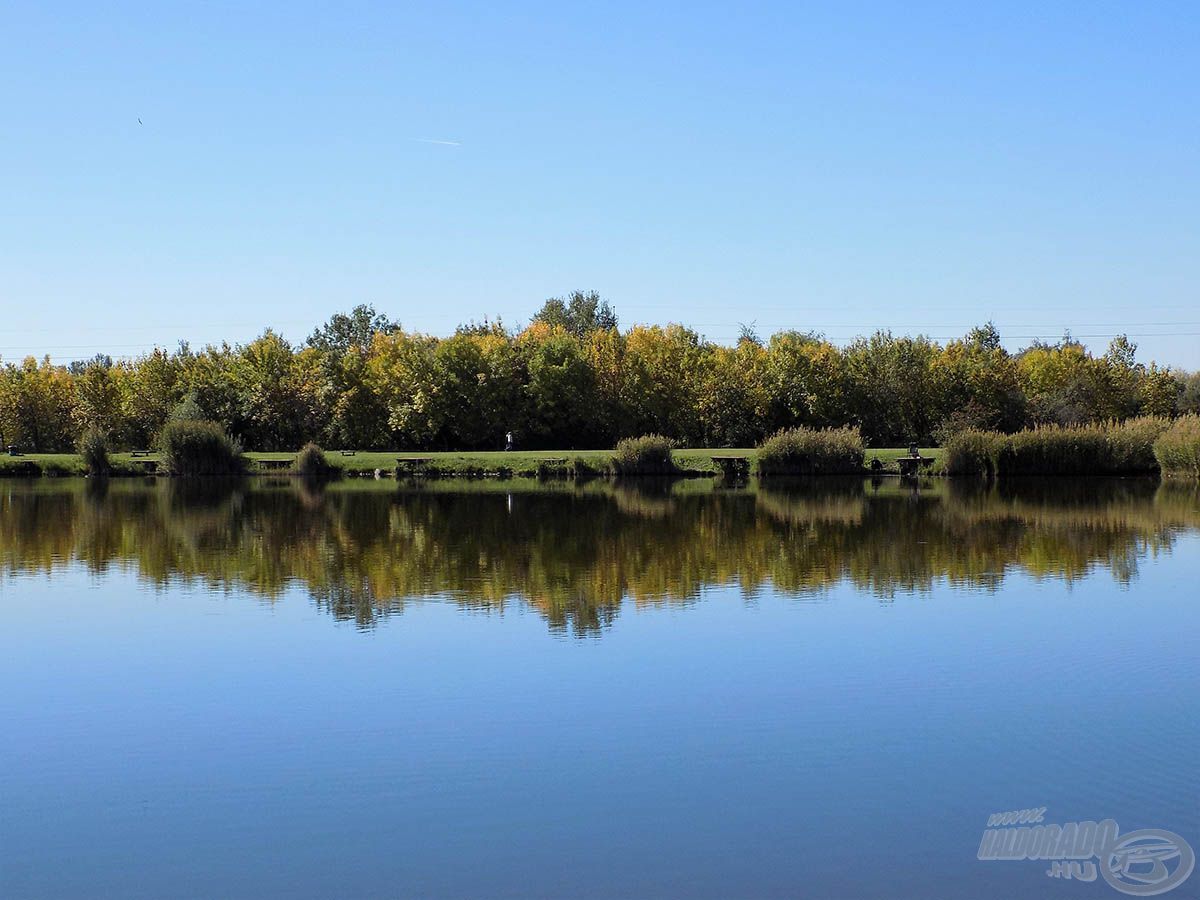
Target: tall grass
column 311, row 464
column 93, row 447
column 972, row 453
column 1125, row 448
column 192, row 447
column 1113, row 448
column 805, row 451
column 649, row 454
column 1178, row 448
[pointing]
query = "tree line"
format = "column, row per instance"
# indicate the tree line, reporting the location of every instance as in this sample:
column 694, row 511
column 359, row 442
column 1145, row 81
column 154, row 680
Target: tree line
column 572, row 378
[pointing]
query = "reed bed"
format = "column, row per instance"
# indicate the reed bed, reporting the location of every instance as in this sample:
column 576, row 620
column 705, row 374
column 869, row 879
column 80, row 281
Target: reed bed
column 1110, row 448
column 1177, row 449
column 807, row 451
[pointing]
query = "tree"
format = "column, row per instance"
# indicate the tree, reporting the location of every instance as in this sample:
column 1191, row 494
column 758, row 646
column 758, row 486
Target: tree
column 354, row 331
column 477, row 388
column 277, row 388
column 980, row 383
column 150, row 388
column 579, row 314
column 37, row 406
column 894, row 390
column 210, row 379
column 984, row 337
column 1059, row 382
column 401, row 372
column 1188, row 392
column 98, row 399
column 733, row 396
column 560, row 390
column 1157, row 392
column 661, row 373
column 805, row 381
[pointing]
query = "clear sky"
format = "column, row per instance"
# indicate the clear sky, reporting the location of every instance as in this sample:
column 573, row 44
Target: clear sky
column 837, row 167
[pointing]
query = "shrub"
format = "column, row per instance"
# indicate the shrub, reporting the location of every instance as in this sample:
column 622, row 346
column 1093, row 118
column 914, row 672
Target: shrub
column 649, row 454
column 93, row 447
column 312, row 465
column 581, row 469
column 1177, row 449
column 805, row 451
column 197, row 447
column 972, row 453
column 546, row 469
column 1098, row 449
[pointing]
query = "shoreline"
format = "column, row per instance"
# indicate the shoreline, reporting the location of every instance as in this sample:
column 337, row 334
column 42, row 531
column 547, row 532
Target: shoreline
column 691, row 463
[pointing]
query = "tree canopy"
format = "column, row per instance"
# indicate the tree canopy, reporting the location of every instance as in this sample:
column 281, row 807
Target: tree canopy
column 571, row 378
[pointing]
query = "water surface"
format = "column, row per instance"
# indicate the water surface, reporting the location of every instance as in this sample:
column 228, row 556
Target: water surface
column 820, row 689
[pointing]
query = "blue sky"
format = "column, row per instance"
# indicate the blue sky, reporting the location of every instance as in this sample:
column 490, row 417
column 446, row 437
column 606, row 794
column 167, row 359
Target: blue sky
column 835, row 167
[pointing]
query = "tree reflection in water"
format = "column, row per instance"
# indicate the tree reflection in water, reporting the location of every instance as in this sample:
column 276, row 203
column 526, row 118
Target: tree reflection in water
column 363, row 549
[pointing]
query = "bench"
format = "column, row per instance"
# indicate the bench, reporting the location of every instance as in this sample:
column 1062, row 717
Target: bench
column 275, row 465
column 137, row 453
column 349, row 452
column 733, row 466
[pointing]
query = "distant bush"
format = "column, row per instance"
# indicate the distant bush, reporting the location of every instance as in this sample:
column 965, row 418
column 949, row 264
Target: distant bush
column 93, row 447
column 649, row 454
column 1177, row 449
column 312, row 465
column 197, row 447
column 972, row 453
column 805, row 451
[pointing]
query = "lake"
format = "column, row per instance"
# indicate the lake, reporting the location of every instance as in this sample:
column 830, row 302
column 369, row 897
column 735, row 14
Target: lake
column 506, row 689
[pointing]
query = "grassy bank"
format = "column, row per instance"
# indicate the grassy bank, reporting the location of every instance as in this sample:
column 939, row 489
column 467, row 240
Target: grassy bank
column 518, row 463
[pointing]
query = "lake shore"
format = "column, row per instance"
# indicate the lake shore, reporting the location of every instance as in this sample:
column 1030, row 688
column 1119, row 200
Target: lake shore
column 694, row 462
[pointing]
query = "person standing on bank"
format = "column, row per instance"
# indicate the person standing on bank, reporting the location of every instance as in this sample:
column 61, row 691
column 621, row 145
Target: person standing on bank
column 508, row 440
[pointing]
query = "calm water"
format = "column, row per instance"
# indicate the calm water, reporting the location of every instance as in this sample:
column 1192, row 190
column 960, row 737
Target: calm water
column 496, row 689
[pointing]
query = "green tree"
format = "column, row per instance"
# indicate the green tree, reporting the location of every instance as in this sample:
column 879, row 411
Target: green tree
column 37, row 405
column 401, row 372
column 150, row 388
column 353, row 331
column 278, row 391
column 579, row 313
column 662, row 370
column 560, row 390
column 98, row 401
